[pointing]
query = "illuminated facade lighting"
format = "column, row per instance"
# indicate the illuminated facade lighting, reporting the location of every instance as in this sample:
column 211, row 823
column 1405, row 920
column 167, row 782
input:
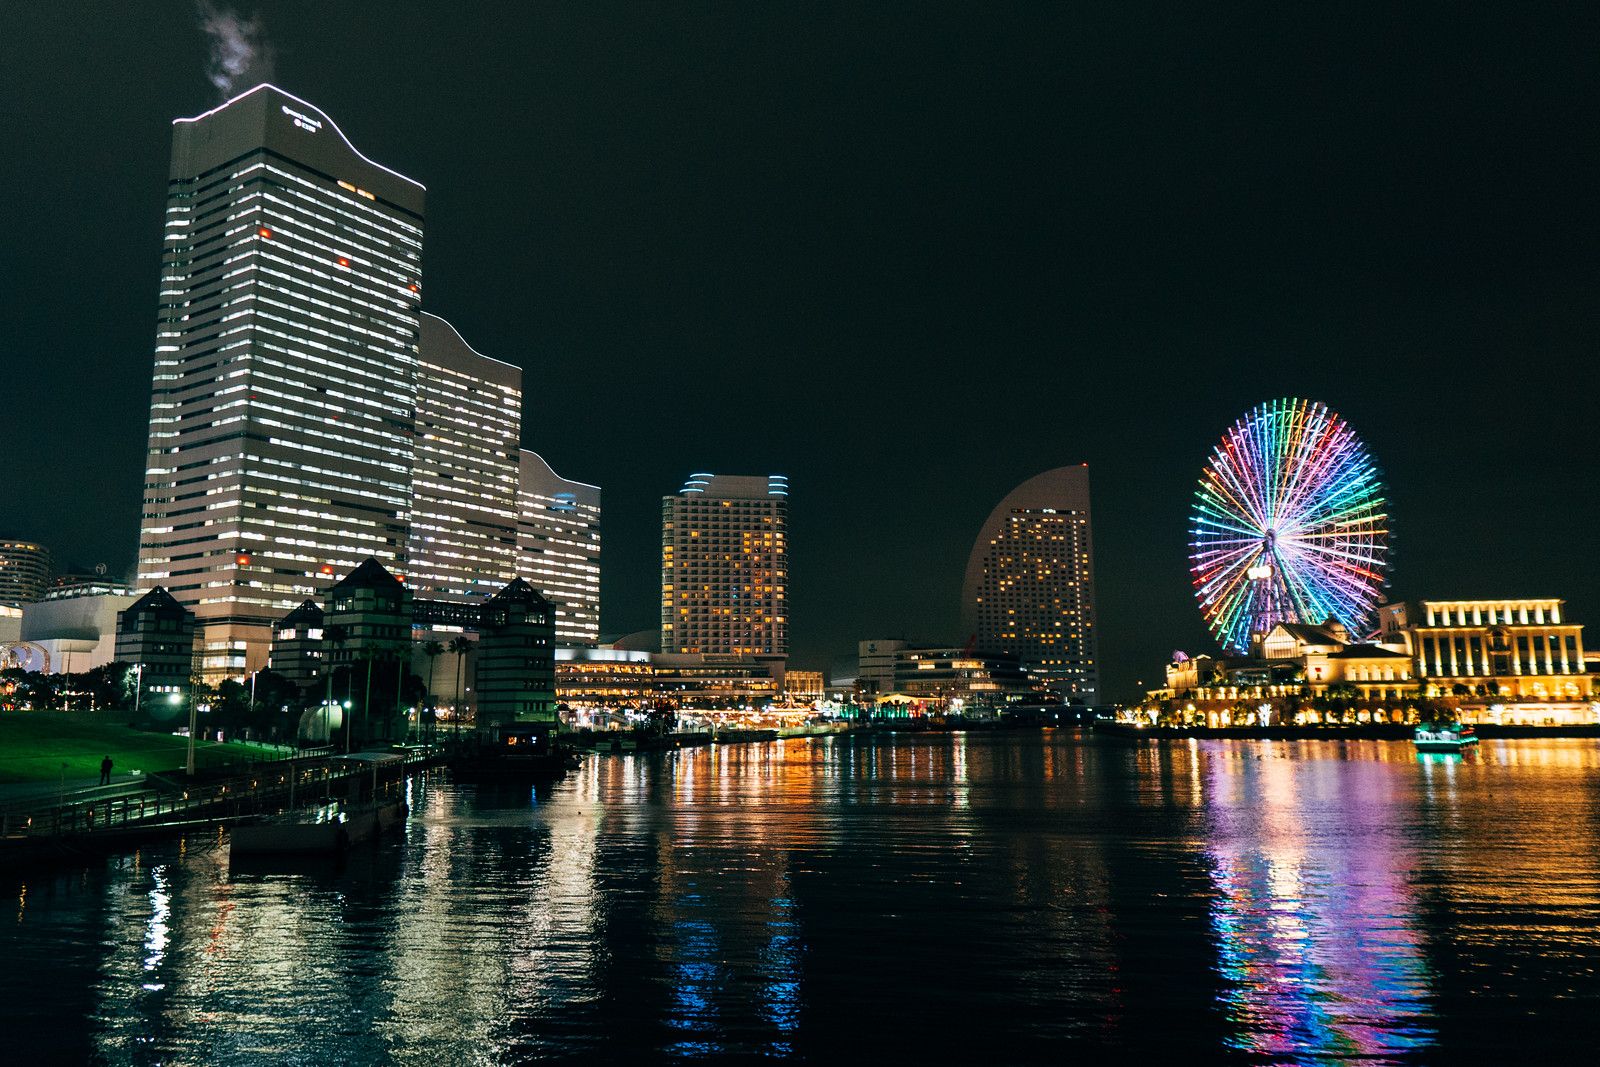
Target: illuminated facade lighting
column 558, row 547
column 464, row 470
column 724, row 567
column 285, row 389
column 1029, row 586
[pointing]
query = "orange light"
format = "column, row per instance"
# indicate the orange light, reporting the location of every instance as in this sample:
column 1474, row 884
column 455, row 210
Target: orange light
column 242, row 558
column 344, row 263
column 327, row 569
column 265, row 232
column 413, row 288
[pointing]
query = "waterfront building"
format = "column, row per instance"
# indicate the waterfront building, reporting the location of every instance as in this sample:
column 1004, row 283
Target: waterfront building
column 558, row 547
column 366, row 615
column 298, row 650
column 156, row 635
column 464, row 472
column 515, row 672
column 1513, row 653
column 1503, row 661
column 24, row 571
column 285, row 384
column 802, row 687
column 724, row 567
column 875, row 664
column 960, row 679
column 592, row 678
column 709, row 681
column 1029, row 585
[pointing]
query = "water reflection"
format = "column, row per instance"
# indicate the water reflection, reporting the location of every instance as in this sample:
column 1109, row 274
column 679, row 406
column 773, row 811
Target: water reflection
column 1313, row 914
column 926, row 899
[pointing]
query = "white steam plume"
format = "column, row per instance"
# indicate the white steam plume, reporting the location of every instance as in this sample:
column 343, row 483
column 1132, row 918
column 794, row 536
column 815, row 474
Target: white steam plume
column 240, row 55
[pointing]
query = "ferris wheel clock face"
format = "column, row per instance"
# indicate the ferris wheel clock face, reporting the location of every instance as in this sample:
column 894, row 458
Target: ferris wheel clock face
column 1289, row 525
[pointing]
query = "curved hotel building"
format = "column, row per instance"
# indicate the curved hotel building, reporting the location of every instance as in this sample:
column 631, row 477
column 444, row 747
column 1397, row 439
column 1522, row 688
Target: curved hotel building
column 1029, row 587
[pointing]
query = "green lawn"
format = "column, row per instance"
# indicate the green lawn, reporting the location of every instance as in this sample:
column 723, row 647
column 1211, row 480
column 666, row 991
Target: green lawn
column 34, row 745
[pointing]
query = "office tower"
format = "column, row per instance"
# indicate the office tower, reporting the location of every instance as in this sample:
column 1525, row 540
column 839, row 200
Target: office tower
column 558, row 545
column 724, row 567
column 1029, row 588
column 24, row 571
column 285, row 379
column 464, row 472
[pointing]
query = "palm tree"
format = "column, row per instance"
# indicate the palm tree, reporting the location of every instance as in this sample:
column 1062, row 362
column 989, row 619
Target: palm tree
column 460, row 646
column 433, row 650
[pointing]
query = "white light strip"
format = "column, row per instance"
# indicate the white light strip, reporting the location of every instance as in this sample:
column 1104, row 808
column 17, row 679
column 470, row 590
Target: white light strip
column 313, row 107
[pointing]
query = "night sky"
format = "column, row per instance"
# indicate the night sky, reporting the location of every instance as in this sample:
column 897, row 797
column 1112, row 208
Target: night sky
column 907, row 254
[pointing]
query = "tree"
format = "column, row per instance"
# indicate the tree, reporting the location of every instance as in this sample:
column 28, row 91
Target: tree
column 460, row 646
column 433, row 650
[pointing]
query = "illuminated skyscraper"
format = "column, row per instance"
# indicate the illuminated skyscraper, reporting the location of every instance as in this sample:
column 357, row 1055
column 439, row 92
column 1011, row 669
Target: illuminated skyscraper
column 465, row 470
column 285, row 387
column 558, row 548
column 724, row 566
column 24, row 571
column 1029, row 588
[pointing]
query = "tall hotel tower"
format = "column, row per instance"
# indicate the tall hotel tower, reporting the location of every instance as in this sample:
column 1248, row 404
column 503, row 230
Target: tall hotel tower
column 558, row 540
column 464, row 471
column 724, row 566
column 286, row 378
column 1029, row 588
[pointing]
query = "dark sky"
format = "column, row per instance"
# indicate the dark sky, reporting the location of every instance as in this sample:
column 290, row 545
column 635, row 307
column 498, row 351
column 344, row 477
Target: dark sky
column 908, row 254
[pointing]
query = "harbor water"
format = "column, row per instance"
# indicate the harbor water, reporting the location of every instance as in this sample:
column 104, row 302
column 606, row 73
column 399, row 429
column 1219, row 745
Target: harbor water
column 1028, row 897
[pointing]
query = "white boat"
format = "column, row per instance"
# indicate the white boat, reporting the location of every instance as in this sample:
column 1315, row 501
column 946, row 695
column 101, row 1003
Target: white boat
column 1443, row 737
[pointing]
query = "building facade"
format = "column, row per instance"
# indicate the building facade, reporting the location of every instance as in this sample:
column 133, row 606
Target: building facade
column 1029, row 585
column 464, row 470
column 24, row 572
column 156, row 635
column 298, row 651
column 558, row 547
column 1509, row 650
column 285, row 387
column 724, row 567
column 875, row 663
column 516, row 671
column 960, row 679
column 366, row 615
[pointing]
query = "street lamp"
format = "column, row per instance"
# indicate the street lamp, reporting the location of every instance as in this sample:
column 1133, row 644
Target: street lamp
column 177, row 698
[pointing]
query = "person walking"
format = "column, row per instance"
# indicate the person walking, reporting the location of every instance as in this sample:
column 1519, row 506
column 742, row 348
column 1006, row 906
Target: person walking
column 105, row 771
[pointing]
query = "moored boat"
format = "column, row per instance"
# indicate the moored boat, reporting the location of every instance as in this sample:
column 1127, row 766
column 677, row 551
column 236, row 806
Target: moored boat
column 1443, row 737
column 522, row 749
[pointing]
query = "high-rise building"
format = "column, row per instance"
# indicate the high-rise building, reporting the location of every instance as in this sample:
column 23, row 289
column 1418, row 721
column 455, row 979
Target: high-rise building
column 724, row 566
column 1029, row 588
column 285, row 387
column 464, row 471
column 558, row 547
column 24, row 571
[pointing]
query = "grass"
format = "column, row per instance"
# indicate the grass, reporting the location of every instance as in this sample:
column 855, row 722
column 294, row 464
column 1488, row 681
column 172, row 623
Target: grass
column 34, row 745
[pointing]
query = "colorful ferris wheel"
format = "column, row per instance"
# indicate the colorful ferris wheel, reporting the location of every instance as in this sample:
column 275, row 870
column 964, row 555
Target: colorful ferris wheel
column 1289, row 525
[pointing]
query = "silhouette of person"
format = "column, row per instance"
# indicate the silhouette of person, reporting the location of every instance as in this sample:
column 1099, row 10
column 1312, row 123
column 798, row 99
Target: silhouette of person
column 105, row 771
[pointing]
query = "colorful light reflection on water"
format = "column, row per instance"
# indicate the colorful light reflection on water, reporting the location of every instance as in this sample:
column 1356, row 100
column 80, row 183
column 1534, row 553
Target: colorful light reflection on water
column 1031, row 898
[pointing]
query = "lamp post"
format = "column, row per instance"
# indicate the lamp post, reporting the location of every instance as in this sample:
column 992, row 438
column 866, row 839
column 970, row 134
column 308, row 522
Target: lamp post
column 192, row 725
